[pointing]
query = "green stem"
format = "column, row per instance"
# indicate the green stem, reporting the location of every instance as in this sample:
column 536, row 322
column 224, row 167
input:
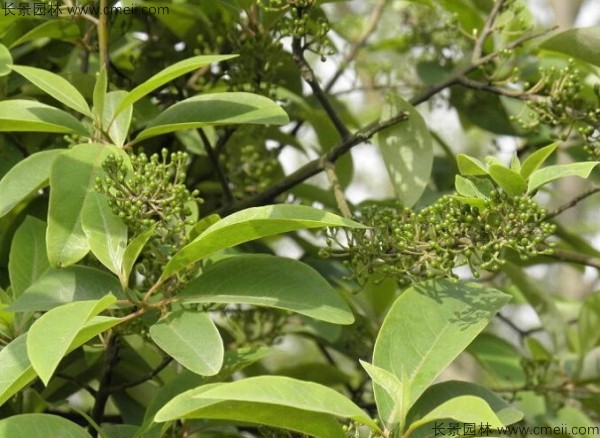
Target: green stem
column 103, row 35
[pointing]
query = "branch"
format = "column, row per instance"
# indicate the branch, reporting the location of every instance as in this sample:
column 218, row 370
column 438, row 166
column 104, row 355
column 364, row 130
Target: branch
column 372, row 23
column 313, row 167
column 111, row 359
column 340, row 199
column 103, row 35
column 487, row 30
column 161, row 366
column 216, row 165
column 575, row 257
column 572, row 203
column 309, row 76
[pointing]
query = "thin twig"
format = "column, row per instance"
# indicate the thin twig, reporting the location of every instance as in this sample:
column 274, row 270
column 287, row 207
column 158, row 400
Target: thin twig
column 214, row 159
column 78, row 382
column 487, row 30
column 309, row 76
column 575, row 257
column 103, row 35
column 370, row 27
column 161, row 366
column 572, row 203
column 111, row 359
column 340, row 199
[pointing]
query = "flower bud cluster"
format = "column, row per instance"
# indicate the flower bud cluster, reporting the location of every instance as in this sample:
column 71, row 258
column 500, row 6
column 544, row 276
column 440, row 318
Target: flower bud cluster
column 410, row 246
column 150, row 192
column 559, row 103
column 251, row 170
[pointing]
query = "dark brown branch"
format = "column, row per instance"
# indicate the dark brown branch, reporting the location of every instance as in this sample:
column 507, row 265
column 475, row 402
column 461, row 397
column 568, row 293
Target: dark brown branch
column 572, row 203
column 309, row 76
column 370, row 27
column 161, row 366
column 214, row 159
column 313, row 167
column 75, row 380
column 111, row 359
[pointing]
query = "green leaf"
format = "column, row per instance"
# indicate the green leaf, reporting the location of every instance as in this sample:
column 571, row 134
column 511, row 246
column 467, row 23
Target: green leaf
column 276, row 401
column 16, row 368
column 501, row 361
column 65, row 285
column 203, row 224
column 56, row 86
column 40, row 426
column 26, row 178
column 474, row 202
column 117, row 124
column 470, row 189
column 440, row 394
column 250, row 224
column 589, row 323
column 27, row 260
column 234, row 361
column 450, row 315
column 167, row 75
column 216, row 109
column 56, row 28
column 132, row 252
column 265, row 280
column 407, row 150
column 580, row 43
column 469, row 166
column 106, row 233
column 29, row 116
column 551, row 173
column 72, row 179
column 51, row 335
column 17, row 371
column 510, row 181
column 99, row 96
column 192, row 339
column 465, row 409
column 397, row 393
column 536, row 159
column 515, row 164
column 5, row 60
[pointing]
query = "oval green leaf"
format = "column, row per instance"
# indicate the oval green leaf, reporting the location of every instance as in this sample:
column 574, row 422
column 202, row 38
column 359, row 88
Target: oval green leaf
column 469, row 166
column 30, row 116
column 417, row 349
column 55, row 86
column 132, row 252
column 277, row 401
column 25, row 178
column 72, row 179
column 192, row 339
column 551, row 173
column 407, row 150
column 117, row 124
column 65, row 285
column 510, row 181
column 167, row 75
column 106, row 233
column 51, row 335
column 58, row 28
column 17, row 371
column 579, row 43
column 40, row 426
column 536, row 159
column 250, row 224
column 216, row 109
column 5, row 60
column 265, row 280
column 27, row 260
